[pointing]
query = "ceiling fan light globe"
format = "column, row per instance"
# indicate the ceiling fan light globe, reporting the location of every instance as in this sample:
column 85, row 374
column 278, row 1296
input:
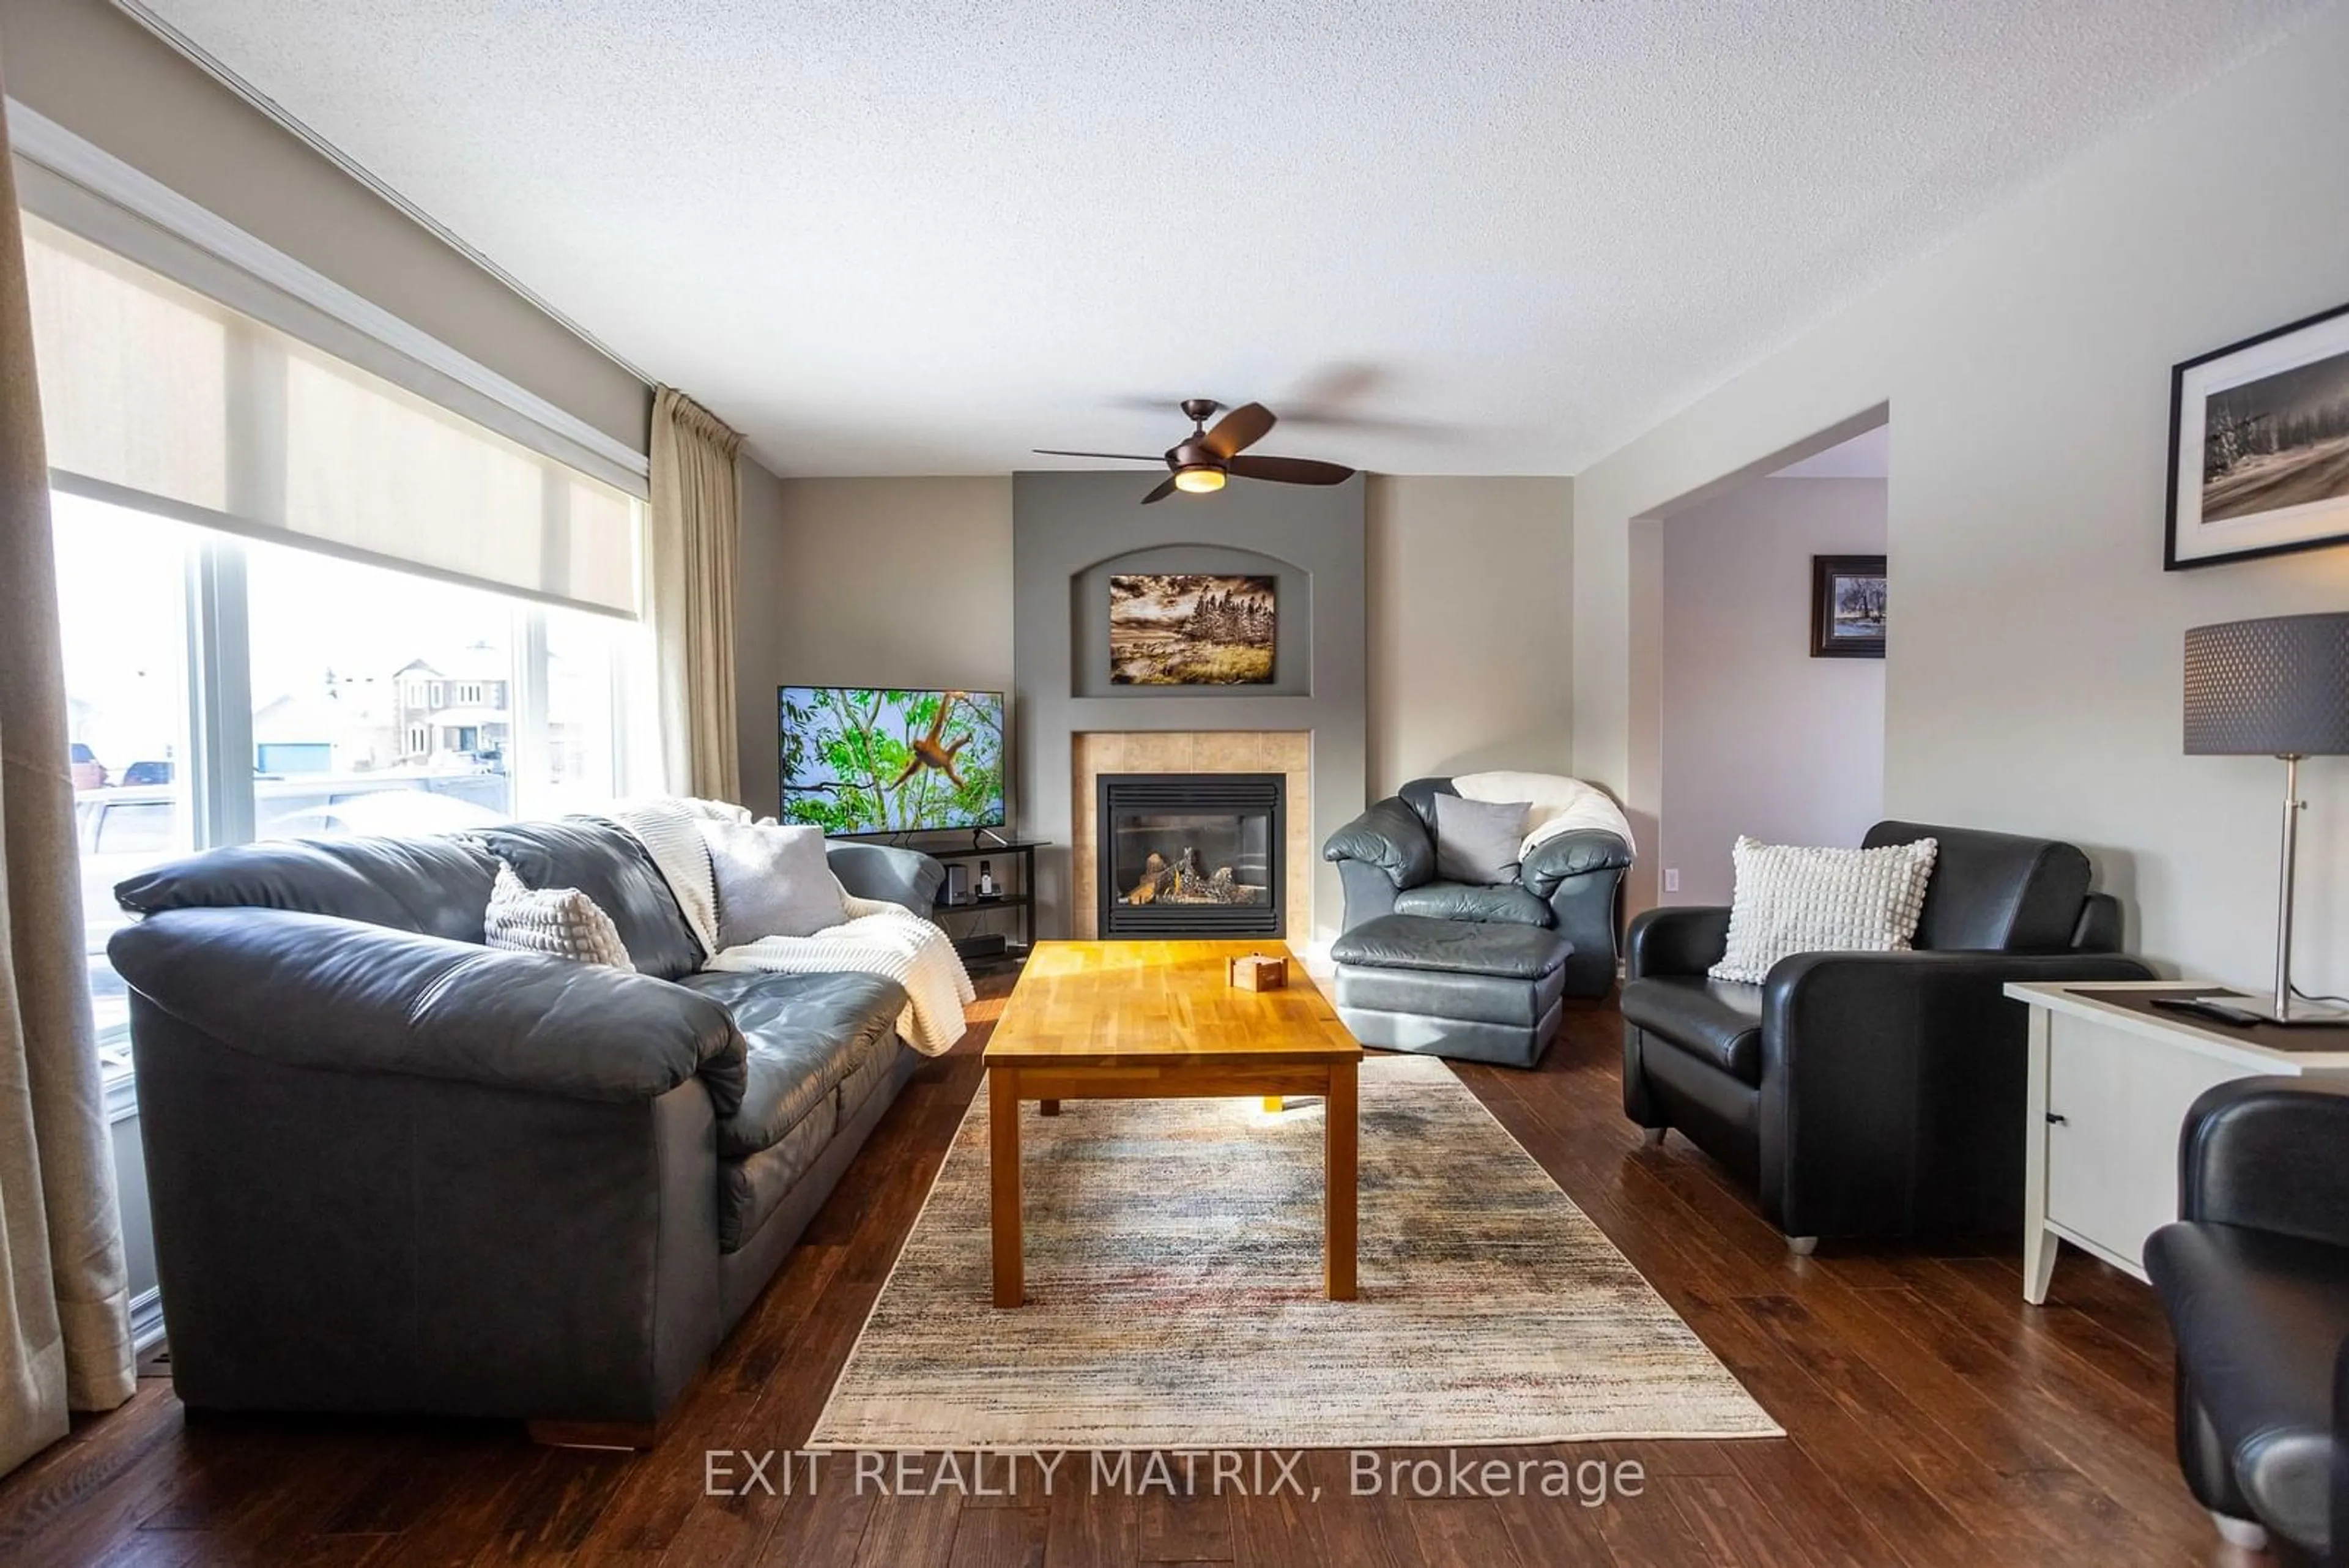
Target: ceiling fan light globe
column 1201, row 481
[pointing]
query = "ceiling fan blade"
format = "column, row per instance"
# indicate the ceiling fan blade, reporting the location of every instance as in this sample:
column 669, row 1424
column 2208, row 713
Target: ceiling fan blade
column 1116, row 456
column 1165, row 489
column 1326, row 418
column 1238, row 431
column 1291, row 470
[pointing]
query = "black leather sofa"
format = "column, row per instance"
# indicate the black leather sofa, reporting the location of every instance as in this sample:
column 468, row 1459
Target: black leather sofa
column 392, row 1170
column 1463, row 971
column 1871, row 1094
column 2255, row 1278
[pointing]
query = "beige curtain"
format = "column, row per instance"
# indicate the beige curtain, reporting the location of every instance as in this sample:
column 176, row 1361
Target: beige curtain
column 64, row 1321
column 697, row 527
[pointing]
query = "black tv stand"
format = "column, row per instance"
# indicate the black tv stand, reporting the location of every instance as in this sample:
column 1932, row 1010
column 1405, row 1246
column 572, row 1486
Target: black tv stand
column 980, row 837
column 985, row 950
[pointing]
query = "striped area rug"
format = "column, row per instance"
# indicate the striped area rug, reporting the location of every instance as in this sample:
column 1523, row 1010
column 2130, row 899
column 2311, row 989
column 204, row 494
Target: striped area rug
column 1174, row 1278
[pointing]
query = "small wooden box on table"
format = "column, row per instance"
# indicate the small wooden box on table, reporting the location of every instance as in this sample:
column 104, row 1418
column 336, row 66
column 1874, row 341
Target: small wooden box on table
column 1260, row 971
column 1161, row 1019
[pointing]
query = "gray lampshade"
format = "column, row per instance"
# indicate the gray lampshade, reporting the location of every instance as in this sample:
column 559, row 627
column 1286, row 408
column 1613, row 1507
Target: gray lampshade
column 2270, row 686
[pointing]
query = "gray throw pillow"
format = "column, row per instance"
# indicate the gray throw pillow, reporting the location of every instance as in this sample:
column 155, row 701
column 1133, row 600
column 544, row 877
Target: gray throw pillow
column 772, row 882
column 1477, row 840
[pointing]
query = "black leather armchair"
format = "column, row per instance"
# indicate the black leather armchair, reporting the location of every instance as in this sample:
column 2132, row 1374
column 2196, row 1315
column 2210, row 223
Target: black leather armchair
column 1470, row 970
column 2340, row 1543
column 1386, row 864
column 1869, row 1094
column 2255, row 1278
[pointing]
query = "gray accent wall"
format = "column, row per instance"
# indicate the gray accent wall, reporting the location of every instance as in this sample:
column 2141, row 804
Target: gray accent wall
column 1292, row 649
column 1071, row 530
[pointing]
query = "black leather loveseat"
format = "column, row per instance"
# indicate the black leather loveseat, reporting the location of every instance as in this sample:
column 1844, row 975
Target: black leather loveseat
column 1871, row 1094
column 2255, row 1278
column 392, row 1170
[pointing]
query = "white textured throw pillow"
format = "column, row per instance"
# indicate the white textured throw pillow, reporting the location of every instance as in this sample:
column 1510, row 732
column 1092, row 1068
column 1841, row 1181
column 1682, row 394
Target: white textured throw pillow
column 772, row 882
column 562, row 922
column 1796, row 901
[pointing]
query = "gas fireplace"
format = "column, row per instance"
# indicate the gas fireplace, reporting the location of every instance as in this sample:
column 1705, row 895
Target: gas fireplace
column 1191, row 855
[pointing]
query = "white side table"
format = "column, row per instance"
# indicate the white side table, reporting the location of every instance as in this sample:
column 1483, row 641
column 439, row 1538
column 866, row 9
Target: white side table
column 2110, row 1086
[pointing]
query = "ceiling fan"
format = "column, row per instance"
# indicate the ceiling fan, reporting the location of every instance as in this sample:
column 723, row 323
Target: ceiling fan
column 1202, row 461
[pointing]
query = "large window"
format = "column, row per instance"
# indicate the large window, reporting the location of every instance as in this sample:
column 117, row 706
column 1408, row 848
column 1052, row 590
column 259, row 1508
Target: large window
column 587, row 703
column 371, row 702
column 337, row 653
column 389, row 703
column 122, row 586
column 298, row 600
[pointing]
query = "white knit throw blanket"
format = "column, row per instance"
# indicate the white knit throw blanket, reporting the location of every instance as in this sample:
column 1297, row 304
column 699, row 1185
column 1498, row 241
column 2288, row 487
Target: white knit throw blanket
column 877, row 939
column 670, row 831
column 1561, row 805
column 881, row 938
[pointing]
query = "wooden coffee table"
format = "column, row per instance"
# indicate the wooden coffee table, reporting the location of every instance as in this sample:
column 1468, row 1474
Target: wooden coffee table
column 1150, row 1021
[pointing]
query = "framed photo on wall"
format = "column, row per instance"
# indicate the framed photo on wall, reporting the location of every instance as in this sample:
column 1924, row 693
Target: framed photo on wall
column 1190, row 628
column 2259, row 445
column 1848, row 606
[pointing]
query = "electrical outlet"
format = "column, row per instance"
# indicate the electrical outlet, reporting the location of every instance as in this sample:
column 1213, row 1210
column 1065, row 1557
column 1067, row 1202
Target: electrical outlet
column 1671, row 879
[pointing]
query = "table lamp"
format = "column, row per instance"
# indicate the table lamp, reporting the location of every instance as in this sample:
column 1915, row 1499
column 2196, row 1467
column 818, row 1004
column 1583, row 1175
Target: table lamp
column 2280, row 688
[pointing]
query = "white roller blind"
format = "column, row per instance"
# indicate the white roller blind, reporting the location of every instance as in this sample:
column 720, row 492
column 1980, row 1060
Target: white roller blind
column 151, row 391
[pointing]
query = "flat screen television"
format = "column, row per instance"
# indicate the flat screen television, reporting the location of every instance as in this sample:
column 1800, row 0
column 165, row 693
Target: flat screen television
column 865, row 759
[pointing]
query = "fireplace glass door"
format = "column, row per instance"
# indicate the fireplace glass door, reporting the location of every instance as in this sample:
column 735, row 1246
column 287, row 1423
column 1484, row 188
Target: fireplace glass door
column 1190, row 854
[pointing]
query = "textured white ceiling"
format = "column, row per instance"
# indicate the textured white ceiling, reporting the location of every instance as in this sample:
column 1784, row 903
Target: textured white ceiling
column 920, row 236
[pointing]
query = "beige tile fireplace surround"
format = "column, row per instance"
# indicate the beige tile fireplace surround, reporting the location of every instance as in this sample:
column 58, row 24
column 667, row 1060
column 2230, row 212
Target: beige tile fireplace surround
column 1285, row 752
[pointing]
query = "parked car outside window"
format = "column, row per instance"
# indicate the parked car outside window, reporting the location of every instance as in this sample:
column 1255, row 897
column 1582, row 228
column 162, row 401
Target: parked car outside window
column 88, row 773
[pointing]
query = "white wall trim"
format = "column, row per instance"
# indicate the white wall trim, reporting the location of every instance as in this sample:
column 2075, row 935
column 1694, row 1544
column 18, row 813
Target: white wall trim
column 145, row 1319
column 42, row 141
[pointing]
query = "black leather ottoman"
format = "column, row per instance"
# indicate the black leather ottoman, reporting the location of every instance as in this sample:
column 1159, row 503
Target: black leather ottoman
column 1477, row 992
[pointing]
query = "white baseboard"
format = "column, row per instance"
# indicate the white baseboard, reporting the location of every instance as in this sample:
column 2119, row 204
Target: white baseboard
column 145, row 1320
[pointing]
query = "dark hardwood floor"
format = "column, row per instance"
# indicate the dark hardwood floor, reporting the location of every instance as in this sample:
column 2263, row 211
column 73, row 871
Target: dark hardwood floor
column 1935, row 1419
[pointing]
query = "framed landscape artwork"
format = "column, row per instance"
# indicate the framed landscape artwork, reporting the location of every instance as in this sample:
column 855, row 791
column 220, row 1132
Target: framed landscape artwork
column 1848, row 606
column 1168, row 628
column 2259, row 445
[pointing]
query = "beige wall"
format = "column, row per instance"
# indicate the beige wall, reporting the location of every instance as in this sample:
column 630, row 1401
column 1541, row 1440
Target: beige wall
column 757, row 656
column 867, row 581
column 99, row 74
column 2034, row 681
column 1471, row 657
column 1759, row 737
